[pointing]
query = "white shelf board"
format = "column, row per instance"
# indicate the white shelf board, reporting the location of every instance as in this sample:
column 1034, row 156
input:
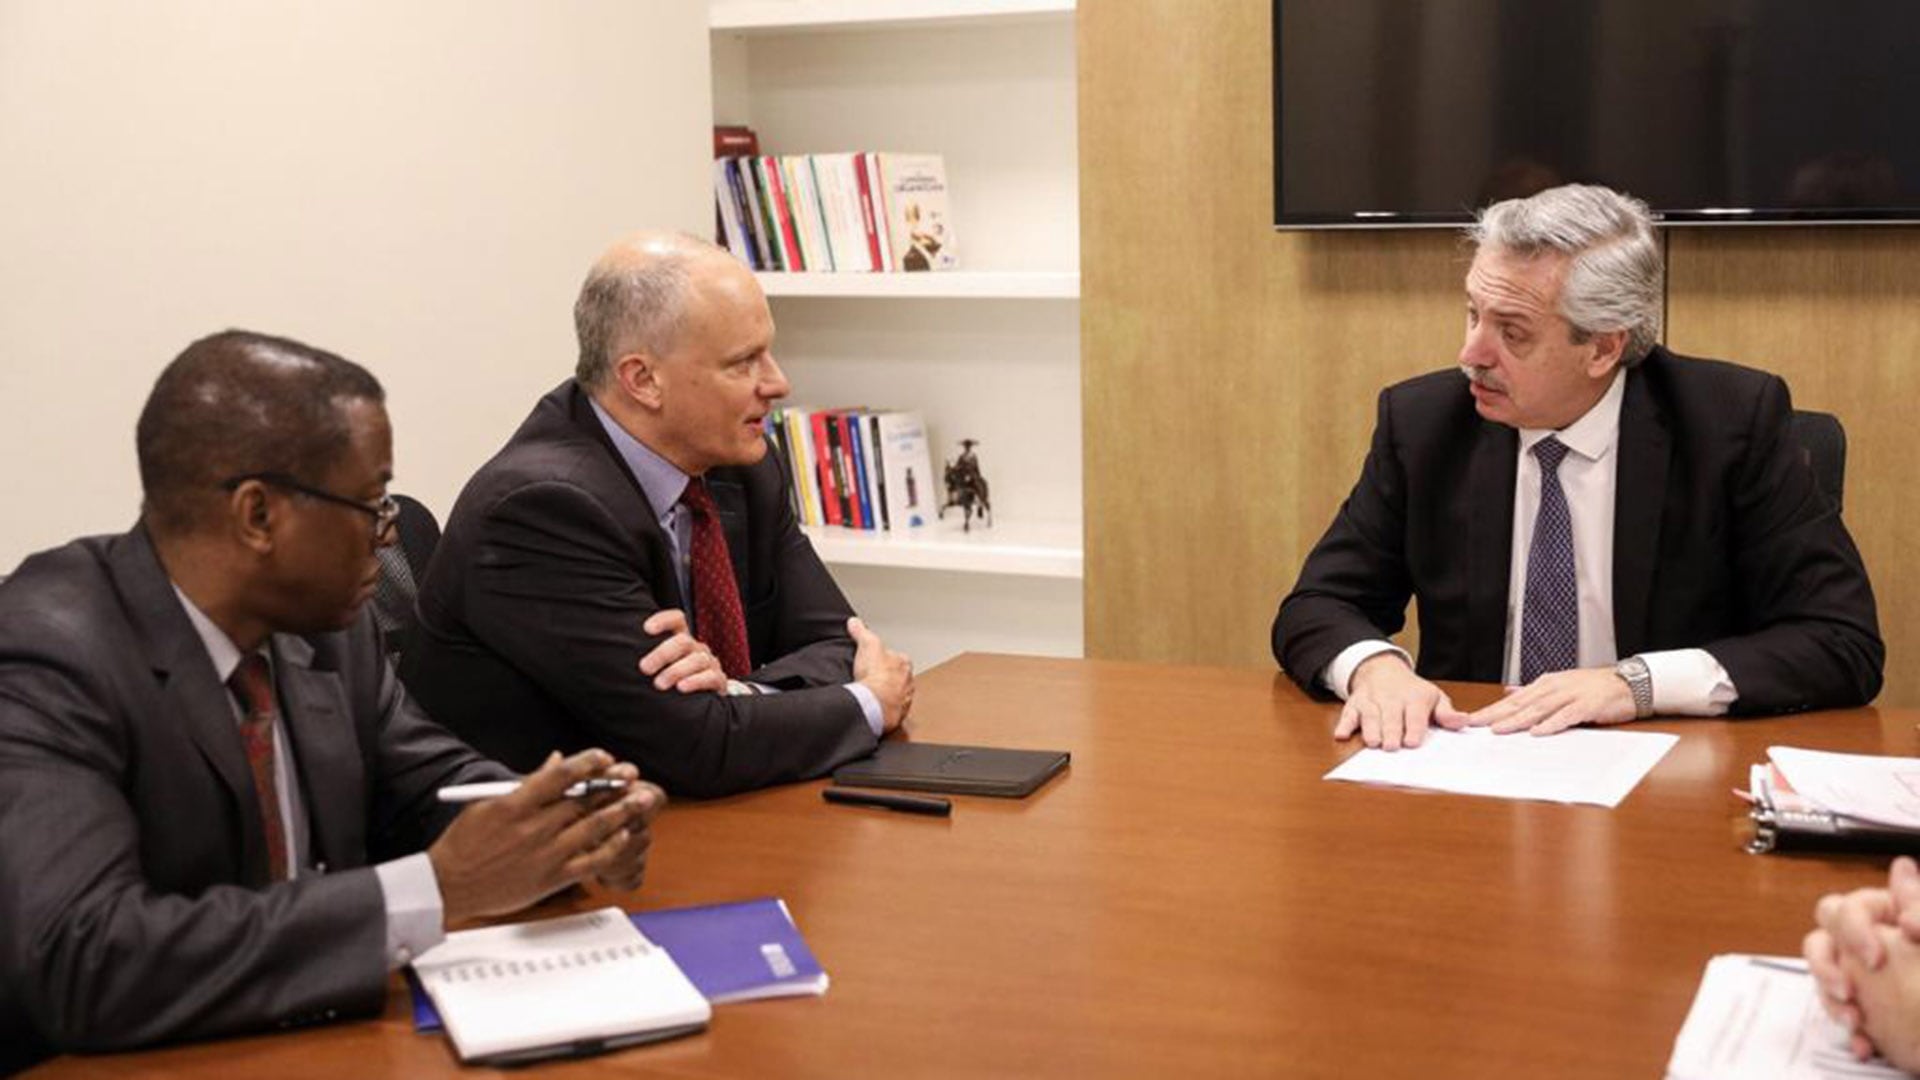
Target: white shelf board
column 784, row 16
column 957, row 284
column 1030, row 548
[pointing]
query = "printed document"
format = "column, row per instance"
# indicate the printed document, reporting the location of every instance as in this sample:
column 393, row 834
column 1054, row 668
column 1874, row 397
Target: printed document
column 1756, row 1018
column 1868, row 787
column 1579, row 766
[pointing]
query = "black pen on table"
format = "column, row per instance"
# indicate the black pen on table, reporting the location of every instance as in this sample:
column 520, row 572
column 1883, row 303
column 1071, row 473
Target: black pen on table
column 906, row 804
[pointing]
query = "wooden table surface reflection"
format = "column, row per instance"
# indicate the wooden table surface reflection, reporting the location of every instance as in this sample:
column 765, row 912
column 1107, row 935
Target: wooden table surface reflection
column 1192, row 899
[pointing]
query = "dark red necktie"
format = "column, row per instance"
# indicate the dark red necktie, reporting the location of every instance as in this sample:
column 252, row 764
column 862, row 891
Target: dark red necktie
column 252, row 683
column 719, row 621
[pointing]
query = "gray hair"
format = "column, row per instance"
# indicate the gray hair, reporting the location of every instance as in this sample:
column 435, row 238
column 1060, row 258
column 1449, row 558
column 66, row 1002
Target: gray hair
column 1615, row 276
column 629, row 304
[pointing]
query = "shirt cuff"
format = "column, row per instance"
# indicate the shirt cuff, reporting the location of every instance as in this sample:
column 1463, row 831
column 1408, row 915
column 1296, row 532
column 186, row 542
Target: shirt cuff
column 1689, row 682
column 416, row 918
column 869, row 707
column 1339, row 673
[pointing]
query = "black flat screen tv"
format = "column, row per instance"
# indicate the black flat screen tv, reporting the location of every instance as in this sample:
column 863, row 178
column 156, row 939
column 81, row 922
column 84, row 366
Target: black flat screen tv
column 1418, row 112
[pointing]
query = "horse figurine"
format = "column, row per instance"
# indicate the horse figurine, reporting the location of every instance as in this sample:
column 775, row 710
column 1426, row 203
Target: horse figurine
column 966, row 488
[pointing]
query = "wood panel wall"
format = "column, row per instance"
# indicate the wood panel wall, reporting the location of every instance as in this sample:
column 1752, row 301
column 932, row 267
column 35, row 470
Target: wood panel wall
column 1229, row 372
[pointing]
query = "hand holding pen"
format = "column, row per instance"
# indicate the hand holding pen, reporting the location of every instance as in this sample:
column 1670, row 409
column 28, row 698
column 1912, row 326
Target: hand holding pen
column 506, row 851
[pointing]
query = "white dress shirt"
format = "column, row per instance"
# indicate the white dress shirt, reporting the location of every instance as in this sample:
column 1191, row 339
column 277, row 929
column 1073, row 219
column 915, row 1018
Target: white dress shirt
column 408, row 889
column 1688, row 682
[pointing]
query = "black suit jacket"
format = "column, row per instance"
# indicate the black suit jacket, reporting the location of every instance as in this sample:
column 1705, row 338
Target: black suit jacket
column 1721, row 541
column 134, row 900
column 530, row 619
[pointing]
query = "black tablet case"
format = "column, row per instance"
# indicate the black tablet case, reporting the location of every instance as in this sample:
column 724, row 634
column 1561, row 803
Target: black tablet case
column 966, row 770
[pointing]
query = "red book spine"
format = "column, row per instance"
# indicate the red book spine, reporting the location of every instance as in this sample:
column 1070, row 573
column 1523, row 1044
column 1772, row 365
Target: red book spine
column 847, row 469
column 866, row 211
column 823, row 457
column 779, row 188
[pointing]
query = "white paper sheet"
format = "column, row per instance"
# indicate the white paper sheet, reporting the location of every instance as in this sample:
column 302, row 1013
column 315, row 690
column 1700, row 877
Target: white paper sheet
column 1756, row 1018
column 1885, row 790
column 1578, row 766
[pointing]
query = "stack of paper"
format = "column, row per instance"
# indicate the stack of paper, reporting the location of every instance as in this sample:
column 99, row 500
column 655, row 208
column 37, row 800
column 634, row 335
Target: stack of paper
column 1865, row 787
column 1579, row 766
column 1756, row 1018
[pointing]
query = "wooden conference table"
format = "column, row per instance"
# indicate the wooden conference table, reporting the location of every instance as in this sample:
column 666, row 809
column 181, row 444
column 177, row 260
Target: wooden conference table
column 1192, row 899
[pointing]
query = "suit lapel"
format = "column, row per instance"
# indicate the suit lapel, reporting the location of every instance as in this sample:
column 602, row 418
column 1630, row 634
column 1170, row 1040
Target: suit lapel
column 1490, row 479
column 190, row 696
column 315, row 714
column 580, row 414
column 1640, row 491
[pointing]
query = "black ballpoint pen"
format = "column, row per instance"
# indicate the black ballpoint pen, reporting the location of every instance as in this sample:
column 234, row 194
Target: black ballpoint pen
column 906, row 804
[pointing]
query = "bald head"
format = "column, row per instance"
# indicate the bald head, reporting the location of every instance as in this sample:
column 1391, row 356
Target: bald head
column 636, row 296
column 238, row 404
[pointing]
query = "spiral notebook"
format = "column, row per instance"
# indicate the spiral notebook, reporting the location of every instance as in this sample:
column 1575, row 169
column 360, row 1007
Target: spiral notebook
column 740, row 951
column 558, row 987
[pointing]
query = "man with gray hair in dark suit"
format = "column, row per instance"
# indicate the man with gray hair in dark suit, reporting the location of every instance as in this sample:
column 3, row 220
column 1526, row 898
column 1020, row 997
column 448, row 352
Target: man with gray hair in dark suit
column 1610, row 529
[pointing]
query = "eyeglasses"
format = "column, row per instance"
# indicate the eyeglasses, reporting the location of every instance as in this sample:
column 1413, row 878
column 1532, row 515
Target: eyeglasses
column 384, row 512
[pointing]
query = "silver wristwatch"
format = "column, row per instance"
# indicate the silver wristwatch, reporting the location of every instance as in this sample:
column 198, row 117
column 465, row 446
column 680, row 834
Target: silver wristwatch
column 1633, row 671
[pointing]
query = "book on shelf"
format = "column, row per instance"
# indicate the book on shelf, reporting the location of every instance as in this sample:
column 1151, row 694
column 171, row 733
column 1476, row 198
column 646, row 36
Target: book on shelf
column 734, row 140
column 912, row 501
column 914, row 190
column 557, row 987
column 865, row 469
column 851, row 212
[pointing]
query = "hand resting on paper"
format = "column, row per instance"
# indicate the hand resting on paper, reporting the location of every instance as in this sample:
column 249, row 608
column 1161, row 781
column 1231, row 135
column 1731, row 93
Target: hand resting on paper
column 1865, row 956
column 502, row 854
column 1391, row 706
column 1559, row 700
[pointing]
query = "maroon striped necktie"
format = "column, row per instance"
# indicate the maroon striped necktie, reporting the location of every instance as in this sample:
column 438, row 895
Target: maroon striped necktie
column 252, row 683
column 717, row 614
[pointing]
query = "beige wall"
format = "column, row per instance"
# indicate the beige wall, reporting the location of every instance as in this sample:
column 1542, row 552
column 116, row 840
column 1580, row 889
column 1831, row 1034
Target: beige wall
column 1230, row 371
column 417, row 185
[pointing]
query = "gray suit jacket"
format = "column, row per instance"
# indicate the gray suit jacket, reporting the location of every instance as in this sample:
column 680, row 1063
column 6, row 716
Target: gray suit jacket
column 134, row 901
column 530, row 619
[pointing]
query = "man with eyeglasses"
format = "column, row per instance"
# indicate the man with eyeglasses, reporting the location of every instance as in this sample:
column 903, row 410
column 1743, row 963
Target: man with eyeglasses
column 218, row 806
column 639, row 513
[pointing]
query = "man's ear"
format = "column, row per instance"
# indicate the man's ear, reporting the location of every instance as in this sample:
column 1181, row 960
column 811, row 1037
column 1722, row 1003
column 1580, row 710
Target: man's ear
column 638, row 376
column 1608, row 349
column 252, row 515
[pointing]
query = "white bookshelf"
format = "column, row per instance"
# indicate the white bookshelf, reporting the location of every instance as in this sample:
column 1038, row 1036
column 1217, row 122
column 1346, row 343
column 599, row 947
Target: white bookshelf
column 808, row 16
column 957, row 285
column 988, row 352
column 1032, row 549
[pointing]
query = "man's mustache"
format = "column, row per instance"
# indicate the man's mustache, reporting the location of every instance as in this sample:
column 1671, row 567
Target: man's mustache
column 1481, row 378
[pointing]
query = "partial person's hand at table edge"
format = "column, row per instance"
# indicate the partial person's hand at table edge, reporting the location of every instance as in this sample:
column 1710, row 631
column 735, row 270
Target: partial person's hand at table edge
column 1866, row 963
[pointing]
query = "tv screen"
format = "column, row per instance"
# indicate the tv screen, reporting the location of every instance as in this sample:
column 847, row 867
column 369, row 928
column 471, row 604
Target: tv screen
column 1418, row 112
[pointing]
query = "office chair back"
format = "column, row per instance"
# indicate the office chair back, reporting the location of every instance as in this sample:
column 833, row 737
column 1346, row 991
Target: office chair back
column 1824, row 442
column 402, row 565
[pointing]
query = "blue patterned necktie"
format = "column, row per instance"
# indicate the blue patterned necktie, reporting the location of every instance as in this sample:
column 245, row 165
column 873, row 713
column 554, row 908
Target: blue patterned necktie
column 1550, row 619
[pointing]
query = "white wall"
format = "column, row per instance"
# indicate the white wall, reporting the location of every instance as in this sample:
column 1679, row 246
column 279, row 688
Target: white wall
column 417, row 185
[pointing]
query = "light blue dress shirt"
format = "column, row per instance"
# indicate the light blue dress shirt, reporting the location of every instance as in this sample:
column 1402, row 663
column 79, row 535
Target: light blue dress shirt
column 663, row 483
